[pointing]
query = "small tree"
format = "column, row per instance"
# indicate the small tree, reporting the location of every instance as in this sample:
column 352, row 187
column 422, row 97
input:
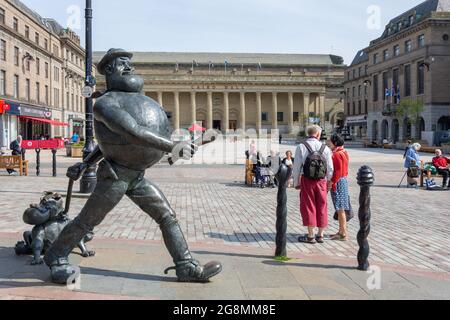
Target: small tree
column 410, row 109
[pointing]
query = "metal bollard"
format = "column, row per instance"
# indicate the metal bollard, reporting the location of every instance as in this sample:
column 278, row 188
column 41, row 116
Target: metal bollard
column 365, row 180
column 282, row 176
column 38, row 162
column 54, row 162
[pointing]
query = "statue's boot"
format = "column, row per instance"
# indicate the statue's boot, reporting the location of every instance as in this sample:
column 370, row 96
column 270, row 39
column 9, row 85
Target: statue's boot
column 56, row 257
column 187, row 269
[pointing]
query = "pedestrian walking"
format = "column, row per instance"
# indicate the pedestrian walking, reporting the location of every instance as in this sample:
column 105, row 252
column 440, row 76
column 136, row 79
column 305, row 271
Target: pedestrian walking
column 313, row 171
column 339, row 187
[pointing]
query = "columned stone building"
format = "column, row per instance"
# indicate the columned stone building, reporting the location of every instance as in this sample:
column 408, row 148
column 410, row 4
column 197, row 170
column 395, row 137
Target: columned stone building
column 41, row 68
column 409, row 65
column 242, row 91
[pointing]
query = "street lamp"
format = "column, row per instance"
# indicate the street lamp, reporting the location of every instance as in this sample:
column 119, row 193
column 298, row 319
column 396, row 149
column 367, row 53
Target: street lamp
column 89, row 179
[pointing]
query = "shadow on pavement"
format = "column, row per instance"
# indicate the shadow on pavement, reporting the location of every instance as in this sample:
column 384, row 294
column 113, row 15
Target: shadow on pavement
column 127, row 275
column 242, row 255
column 250, row 237
column 306, row 265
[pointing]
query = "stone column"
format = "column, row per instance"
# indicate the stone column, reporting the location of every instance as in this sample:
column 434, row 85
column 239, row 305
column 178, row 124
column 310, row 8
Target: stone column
column 160, row 98
column 193, row 107
column 291, row 111
column 242, row 110
column 306, row 104
column 275, row 110
column 322, row 105
column 258, row 112
column 226, row 112
column 176, row 110
column 209, row 116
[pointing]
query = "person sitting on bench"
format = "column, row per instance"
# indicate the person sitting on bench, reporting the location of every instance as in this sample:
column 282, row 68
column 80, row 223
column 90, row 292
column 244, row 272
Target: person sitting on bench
column 16, row 149
column 441, row 163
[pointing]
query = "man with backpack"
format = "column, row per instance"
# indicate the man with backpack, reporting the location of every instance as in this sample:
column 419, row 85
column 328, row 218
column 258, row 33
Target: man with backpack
column 313, row 171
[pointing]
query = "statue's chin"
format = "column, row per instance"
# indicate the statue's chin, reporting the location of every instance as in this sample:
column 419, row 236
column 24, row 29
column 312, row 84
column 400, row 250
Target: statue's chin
column 128, row 83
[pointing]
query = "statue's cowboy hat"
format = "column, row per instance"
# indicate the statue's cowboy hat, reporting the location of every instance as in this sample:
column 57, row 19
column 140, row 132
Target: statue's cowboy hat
column 111, row 55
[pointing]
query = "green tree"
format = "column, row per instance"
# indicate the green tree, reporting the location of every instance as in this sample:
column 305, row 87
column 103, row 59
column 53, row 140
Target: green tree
column 410, row 109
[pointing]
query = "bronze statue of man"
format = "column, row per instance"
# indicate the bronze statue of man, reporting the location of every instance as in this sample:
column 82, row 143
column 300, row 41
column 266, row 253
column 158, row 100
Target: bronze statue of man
column 133, row 134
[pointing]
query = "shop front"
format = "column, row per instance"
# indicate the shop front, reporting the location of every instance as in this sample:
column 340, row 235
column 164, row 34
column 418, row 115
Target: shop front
column 34, row 122
column 357, row 126
column 9, row 123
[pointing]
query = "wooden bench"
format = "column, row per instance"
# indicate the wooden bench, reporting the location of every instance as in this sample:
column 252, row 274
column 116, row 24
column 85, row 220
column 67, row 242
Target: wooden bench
column 428, row 174
column 14, row 162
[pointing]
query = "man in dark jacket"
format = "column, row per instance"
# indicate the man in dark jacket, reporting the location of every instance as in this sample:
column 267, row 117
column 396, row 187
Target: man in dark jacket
column 16, row 149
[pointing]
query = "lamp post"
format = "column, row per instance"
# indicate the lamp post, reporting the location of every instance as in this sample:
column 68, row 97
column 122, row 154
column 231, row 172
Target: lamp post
column 89, row 179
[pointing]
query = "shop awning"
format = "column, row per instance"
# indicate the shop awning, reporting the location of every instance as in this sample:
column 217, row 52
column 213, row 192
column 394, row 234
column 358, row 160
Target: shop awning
column 52, row 122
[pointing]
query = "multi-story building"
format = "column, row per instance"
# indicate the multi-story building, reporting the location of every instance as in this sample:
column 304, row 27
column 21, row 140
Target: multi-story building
column 409, row 75
column 37, row 74
column 243, row 91
column 356, row 92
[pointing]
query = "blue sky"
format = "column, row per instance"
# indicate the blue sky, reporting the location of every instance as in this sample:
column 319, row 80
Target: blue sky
column 273, row 26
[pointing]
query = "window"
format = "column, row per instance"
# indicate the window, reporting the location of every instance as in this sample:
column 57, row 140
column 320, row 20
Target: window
column 359, row 107
column 385, row 55
column 280, row 116
column 81, row 104
column 385, row 85
column 55, row 50
column 56, row 74
column 27, row 32
column 73, row 101
column 2, row 16
column 411, row 19
column 55, row 97
column 16, row 86
column 27, row 89
column 16, row 56
column 420, row 78
column 366, row 105
column 354, row 108
column 2, row 82
column 38, row 66
column 421, row 41
column 359, row 71
column 348, row 92
column 354, row 73
column 3, row 50
column 16, row 24
column 348, row 108
column 46, row 70
column 348, row 75
column 407, row 80
column 264, row 116
column 36, row 38
column 46, row 44
column 397, row 51
column 408, row 46
column 296, row 117
column 365, row 70
column 38, row 92
column 27, row 63
column 365, row 90
column 46, row 95
column 359, row 91
column 395, row 86
column 353, row 92
column 399, row 26
column 67, row 100
column 375, row 88
column 375, row 58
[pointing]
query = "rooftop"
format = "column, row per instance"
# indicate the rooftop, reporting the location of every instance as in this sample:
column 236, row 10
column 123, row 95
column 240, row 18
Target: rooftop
column 360, row 57
column 204, row 58
column 414, row 16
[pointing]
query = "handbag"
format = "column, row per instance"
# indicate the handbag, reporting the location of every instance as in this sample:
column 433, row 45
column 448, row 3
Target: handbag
column 349, row 214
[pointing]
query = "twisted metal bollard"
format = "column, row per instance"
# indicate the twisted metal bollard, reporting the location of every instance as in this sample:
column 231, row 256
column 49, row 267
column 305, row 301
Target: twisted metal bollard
column 54, row 162
column 282, row 176
column 38, row 162
column 365, row 180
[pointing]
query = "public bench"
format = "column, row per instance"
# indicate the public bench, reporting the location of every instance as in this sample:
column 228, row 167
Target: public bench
column 14, row 162
column 427, row 174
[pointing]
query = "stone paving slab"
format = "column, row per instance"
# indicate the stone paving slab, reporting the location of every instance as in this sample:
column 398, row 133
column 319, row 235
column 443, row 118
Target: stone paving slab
column 409, row 226
column 248, row 273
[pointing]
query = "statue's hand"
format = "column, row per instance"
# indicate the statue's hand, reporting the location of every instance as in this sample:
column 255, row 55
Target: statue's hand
column 76, row 171
column 183, row 150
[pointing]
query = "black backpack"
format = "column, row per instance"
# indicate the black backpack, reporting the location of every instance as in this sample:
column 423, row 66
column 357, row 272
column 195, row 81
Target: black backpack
column 315, row 166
